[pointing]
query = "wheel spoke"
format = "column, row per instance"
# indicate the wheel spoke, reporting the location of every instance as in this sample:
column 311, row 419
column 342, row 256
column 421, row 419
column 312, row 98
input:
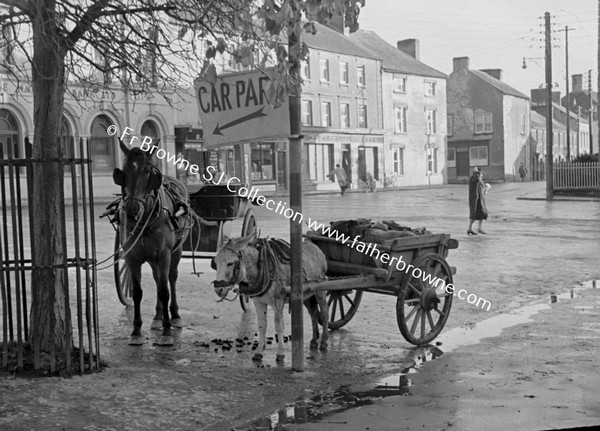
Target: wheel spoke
column 333, row 308
column 415, row 322
column 423, row 324
column 411, row 301
column 415, row 289
column 443, row 295
column 342, row 312
column 330, row 299
column 409, row 315
column 441, row 312
column 431, row 324
column 437, row 269
column 349, row 299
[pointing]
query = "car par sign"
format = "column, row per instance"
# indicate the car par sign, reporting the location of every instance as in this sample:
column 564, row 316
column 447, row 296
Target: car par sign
column 235, row 108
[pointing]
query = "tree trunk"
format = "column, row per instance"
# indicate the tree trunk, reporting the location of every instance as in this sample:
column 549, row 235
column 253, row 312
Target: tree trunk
column 51, row 329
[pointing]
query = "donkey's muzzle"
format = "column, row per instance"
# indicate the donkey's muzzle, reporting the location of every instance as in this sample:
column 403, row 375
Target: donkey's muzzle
column 221, row 283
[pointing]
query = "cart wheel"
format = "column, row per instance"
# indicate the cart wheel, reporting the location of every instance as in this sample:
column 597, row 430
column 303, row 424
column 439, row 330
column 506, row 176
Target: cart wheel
column 342, row 306
column 422, row 307
column 249, row 226
column 122, row 276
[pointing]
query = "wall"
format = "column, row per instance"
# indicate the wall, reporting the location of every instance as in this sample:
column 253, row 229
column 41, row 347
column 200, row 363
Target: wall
column 415, row 138
column 516, row 137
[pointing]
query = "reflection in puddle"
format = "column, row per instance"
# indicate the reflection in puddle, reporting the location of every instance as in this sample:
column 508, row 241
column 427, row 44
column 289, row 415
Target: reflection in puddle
column 315, row 408
column 572, row 293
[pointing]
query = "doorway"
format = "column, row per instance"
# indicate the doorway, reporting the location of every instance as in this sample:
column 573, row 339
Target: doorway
column 347, row 161
column 462, row 162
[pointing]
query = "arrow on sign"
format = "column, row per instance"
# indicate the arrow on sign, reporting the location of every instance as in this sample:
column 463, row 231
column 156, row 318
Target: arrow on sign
column 243, row 119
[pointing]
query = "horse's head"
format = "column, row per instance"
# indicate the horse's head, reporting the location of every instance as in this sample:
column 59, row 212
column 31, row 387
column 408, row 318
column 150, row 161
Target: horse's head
column 139, row 178
column 235, row 263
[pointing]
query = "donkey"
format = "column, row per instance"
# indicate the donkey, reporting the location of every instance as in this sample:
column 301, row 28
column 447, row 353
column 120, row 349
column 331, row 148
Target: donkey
column 156, row 222
column 261, row 269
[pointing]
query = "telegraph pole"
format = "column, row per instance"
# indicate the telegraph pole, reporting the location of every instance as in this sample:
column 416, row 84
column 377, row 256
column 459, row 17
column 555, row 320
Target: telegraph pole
column 566, row 30
column 591, row 111
column 549, row 170
column 295, row 154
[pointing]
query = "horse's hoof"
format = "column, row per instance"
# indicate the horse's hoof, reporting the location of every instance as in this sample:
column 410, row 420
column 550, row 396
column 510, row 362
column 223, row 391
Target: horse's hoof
column 279, row 358
column 323, row 347
column 314, row 345
column 136, row 340
column 176, row 323
column 156, row 325
column 165, row 340
column 257, row 357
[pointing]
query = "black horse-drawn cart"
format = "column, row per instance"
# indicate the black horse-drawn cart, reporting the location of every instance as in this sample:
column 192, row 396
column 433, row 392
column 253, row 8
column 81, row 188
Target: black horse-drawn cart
column 213, row 203
column 422, row 302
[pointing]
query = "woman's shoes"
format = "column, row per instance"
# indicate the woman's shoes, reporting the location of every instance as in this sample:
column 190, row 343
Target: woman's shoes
column 471, row 232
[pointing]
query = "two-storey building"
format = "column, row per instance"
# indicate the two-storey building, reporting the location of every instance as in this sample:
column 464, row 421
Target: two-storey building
column 488, row 124
column 414, row 112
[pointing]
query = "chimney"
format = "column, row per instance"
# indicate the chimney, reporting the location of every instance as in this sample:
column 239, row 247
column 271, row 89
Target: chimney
column 460, row 64
column 336, row 22
column 556, row 97
column 410, row 47
column 494, row 73
column 577, row 83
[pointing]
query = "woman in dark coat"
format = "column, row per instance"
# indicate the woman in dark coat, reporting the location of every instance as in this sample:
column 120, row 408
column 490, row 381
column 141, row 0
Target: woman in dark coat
column 477, row 208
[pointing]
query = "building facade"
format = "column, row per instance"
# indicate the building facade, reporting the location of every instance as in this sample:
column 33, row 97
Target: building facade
column 488, row 124
column 414, row 112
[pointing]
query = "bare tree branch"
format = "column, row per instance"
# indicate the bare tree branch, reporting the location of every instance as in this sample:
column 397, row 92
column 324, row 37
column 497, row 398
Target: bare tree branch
column 22, row 5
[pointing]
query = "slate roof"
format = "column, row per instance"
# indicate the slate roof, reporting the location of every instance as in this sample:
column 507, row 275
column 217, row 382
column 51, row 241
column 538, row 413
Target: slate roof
column 538, row 121
column 330, row 40
column 499, row 85
column 393, row 59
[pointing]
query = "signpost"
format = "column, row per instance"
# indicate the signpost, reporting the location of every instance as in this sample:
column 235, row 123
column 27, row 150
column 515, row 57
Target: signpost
column 235, row 109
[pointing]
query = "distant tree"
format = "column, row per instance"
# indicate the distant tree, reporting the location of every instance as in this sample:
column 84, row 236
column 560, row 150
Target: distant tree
column 148, row 47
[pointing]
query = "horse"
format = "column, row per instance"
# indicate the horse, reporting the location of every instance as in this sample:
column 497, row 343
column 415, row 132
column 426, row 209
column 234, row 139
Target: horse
column 155, row 213
column 261, row 268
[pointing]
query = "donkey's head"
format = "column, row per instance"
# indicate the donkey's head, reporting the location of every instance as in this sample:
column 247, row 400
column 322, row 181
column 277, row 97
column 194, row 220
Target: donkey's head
column 236, row 263
column 139, row 178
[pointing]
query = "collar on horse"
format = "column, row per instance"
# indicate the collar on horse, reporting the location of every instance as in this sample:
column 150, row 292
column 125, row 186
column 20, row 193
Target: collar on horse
column 272, row 253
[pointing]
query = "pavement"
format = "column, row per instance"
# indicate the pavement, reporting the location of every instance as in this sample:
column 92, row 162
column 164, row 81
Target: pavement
column 517, row 356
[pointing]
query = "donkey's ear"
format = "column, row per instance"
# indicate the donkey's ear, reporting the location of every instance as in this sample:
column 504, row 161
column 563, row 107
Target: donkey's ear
column 242, row 242
column 155, row 180
column 124, row 147
column 119, row 177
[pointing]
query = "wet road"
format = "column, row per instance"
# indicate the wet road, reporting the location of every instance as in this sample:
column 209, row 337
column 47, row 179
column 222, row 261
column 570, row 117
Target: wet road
column 533, row 249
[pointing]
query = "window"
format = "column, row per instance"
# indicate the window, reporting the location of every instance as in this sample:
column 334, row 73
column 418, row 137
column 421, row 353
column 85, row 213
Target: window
column 320, row 161
column 305, row 68
column 362, row 116
column 326, row 114
column 478, row 156
column 324, row 69
column 360, row 72
column 430, row 115
column 399, row 84
column 483, row 122
column 451, row 157
column 6, row 47
column 345, row 115
column 343, row 72
column 400, row 113
column 430, row 88
column 9, row 134
column 450, row 124
column 262, row 156
column 398, row 161
column 432, row 161
column 307, row 118
column 102, row 145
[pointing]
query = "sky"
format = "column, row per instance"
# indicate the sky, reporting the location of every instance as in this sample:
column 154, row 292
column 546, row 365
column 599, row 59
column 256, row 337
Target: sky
column 494, row 35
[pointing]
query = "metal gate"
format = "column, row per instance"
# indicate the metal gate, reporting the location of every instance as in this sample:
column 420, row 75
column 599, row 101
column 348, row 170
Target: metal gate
column 16, row 266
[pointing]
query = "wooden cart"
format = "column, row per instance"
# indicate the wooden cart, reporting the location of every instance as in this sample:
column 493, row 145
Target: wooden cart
column 214, row 203
column 422, row 302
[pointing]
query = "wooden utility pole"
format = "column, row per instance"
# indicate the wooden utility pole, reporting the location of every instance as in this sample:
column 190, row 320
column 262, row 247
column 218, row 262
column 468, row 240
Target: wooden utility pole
column 295, row 154
column 549, row 170
column 566, row 30
column 598, row 69
column 591, row 111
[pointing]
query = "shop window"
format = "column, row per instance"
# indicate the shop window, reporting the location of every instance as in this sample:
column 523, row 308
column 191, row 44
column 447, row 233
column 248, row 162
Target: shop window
column 103, row 157
column 263, row 160
column 478, row 156
column 320, row 161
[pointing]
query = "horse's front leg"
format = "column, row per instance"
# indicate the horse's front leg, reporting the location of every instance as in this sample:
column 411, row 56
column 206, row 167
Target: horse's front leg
column 261, row 316
column 156, row 324
column 279, row 328
column 161, row 275
column 313, row 311
column 176, row 321
column 136, row 338
column 324, row 313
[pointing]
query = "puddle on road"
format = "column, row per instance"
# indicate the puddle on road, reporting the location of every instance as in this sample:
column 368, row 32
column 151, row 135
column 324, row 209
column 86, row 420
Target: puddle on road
column 315, row 408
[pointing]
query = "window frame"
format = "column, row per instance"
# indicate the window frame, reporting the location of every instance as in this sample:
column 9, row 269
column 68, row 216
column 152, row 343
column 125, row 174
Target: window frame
column 326, row 104
column 270, row 147
column 345, row 71
column 400, row 78
column 451, row 161
column 398, row 161
column 430, row 88
column 484, row 116
column 345, row 115
column 361, row 75
column 324, row 70
column 365, row 121
column 305, row 68
column 430, row 121
column 316, row 152
column 479, row 161
column 432, row 161
column 404, row 115
column 308, row 112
